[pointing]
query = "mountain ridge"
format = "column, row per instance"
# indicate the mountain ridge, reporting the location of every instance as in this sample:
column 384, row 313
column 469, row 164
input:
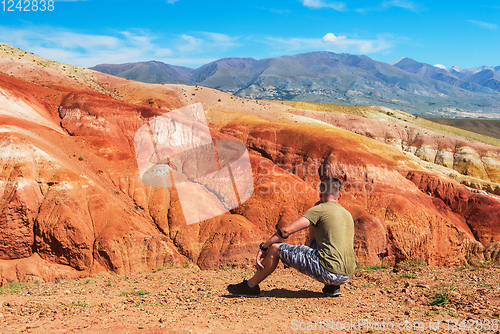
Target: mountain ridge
column 142, row 71
column 328, row 77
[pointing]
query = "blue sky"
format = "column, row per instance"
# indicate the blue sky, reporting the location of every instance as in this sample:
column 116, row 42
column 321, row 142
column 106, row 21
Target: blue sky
column 191, row 32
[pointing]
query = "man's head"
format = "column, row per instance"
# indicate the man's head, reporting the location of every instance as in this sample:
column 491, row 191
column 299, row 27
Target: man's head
column 329, row 189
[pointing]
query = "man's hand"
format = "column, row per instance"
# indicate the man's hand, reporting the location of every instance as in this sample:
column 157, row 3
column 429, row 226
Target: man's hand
column 288, row 230
column 260, row 256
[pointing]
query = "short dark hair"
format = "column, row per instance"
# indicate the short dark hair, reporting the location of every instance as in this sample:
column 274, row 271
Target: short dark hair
column 330, row 184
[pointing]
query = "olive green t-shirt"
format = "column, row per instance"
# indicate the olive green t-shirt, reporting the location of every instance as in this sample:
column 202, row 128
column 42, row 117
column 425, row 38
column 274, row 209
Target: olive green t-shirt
column 334, row 231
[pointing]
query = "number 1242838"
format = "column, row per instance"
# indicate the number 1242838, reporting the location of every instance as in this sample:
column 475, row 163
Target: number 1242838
column 27, row 5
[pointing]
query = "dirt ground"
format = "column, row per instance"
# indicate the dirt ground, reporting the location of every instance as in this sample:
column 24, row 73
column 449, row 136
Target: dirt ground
column 189, row 300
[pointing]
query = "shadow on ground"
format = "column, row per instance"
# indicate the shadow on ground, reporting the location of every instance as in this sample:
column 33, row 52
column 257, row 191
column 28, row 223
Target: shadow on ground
column 285, row 293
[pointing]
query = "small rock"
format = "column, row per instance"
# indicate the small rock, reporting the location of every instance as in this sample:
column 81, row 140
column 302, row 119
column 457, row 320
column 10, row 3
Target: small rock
column 67, row 292
column 454, row 294
column 409, row 301
column 422, row 300
column 482, row 291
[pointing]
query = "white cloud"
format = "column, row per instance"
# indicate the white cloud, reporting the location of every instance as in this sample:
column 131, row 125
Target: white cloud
column 441, row 66
column 405, row 4
column 486, row 25
column 191, row 44
column 222, row 40
column 206, row 42
column 85, row 49
column 88, row 50
column 337, row 5
column 387, row 4
column 171, row 2
column 364, row 46
column 331, row 38
column 66, row 39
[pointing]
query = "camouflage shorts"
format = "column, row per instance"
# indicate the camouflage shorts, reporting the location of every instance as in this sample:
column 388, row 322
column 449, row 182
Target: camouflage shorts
column 305, row 259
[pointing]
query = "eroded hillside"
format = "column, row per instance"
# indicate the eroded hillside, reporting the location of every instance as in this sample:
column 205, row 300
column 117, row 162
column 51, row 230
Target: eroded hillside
column 73, row 203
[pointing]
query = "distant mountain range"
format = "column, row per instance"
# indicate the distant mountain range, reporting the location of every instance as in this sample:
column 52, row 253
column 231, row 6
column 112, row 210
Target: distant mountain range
column 405, row 84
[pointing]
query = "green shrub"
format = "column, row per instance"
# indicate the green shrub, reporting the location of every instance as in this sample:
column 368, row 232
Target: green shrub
column 135, row 292
column 442, row 297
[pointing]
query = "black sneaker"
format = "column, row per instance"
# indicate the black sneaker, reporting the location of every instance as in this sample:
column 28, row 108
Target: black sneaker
column 332, row 290
column 242, row 289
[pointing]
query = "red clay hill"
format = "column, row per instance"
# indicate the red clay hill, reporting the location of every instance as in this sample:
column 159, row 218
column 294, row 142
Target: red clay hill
column 73, row 204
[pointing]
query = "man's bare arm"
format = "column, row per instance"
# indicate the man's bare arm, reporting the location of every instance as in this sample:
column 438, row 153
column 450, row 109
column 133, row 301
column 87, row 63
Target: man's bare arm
column 288, row 230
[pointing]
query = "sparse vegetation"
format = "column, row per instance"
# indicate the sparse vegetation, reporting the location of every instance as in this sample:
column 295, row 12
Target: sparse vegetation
column 467, row 267
column 13, row 287
column 438, row 312
column 442, row 297
column 409, row 275
column 135, row 292
column 166, row 266
column 370, row 268
column 80, row 303
column 485, row 264
column 415, row 263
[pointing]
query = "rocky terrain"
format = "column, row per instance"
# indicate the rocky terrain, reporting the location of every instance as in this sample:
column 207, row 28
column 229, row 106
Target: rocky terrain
column 73, row 203
column 473, row 163
column 187, row 300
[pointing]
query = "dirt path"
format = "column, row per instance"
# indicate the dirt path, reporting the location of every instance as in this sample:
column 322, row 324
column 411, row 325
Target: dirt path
column 188, row 300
